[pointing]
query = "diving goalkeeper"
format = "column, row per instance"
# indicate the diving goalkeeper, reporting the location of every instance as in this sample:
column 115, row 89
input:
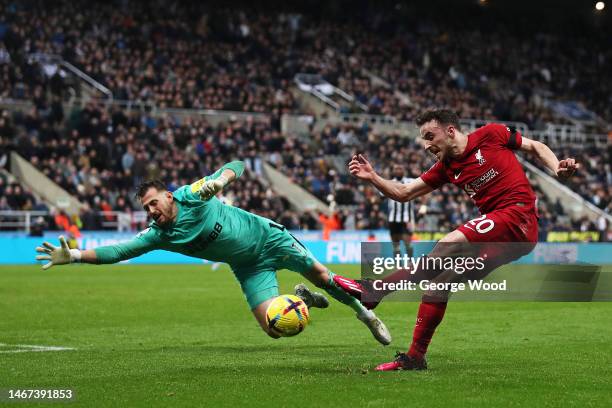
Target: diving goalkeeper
column 192, row 221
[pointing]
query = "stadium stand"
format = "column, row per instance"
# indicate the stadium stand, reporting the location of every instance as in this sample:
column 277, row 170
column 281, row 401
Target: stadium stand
column 184, row 55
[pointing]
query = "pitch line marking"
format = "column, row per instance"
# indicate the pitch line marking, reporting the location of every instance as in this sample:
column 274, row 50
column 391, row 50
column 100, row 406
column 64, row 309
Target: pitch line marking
column 25, row 348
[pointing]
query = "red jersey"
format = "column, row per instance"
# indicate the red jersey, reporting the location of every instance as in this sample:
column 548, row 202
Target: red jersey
column 487, row 170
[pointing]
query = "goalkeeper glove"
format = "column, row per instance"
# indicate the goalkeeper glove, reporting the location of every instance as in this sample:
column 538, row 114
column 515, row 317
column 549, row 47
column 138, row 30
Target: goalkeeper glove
column 212, row 187
column 57, row 255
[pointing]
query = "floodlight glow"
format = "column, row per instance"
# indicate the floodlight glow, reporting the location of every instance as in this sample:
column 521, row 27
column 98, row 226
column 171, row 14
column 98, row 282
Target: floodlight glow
column 600, row 5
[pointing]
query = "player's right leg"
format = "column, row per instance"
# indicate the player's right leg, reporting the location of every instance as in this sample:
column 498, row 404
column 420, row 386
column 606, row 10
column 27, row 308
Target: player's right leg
column 364, row 291
column 323, row 278
column 510, row 225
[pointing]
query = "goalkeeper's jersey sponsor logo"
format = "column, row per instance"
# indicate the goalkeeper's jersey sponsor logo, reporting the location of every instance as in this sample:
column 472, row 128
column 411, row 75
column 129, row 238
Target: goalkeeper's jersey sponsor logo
column 200, row 243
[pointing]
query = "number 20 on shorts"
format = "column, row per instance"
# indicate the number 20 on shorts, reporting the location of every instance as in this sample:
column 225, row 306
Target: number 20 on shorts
column 481, row 224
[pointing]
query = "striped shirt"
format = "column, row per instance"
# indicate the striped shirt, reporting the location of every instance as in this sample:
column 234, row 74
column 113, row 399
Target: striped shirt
column 401, row 212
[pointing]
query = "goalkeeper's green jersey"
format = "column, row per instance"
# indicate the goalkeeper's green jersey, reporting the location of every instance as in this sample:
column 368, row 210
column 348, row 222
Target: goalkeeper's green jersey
column 202, row 229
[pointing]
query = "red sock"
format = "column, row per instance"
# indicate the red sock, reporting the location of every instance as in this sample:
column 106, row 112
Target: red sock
column 428, row 318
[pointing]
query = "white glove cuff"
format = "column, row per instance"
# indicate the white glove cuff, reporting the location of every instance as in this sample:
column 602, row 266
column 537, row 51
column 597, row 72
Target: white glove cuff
column 75, row 255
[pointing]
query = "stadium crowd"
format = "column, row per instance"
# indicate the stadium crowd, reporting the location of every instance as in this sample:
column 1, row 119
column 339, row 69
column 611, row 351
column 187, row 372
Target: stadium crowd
column 182, row 55
column 185, row 55
column 99, row 155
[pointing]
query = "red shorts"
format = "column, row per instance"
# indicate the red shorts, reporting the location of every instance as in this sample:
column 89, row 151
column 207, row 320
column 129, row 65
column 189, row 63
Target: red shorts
column 503, row 236
column 510, row 224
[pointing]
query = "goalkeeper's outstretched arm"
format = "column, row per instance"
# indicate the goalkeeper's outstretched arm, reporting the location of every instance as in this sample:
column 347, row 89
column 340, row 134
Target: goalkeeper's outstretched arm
column 62, row 255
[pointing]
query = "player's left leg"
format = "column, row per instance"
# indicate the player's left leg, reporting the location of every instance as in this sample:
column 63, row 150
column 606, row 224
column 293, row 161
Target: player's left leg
column 289, row 253
column 429, row 316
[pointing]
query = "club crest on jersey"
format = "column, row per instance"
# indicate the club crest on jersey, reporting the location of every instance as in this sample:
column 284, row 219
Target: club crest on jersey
column 480, row 158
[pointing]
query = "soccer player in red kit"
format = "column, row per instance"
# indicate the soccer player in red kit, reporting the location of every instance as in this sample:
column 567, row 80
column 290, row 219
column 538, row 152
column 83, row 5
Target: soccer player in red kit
column 484, row 165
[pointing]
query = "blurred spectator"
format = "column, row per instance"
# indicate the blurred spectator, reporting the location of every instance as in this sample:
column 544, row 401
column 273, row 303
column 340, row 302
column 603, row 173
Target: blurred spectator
column 38, row 227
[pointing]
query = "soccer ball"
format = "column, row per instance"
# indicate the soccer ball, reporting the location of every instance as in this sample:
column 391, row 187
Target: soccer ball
column 287, row 315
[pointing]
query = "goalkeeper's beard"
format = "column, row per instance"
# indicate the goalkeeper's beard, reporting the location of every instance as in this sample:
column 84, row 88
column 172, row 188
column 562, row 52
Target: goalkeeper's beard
column 161, row 219
column 164, row 219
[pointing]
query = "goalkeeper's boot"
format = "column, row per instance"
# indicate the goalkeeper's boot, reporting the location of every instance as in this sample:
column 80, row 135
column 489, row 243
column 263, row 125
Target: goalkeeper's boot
column 403, row 362
column 312, row 299
column 376, row 326
column 363, row 290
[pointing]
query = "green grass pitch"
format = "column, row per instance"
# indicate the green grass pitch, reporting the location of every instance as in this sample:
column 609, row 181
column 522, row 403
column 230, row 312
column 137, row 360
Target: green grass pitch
column 183, row 335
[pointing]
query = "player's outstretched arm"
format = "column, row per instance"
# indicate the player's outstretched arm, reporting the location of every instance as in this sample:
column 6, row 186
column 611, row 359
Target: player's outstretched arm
column 216, row 182
column 361, row 168
column 62, row 255
column 561, row 168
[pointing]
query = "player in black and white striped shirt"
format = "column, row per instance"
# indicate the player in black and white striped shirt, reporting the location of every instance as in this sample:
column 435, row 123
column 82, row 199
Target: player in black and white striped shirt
column 401, row 215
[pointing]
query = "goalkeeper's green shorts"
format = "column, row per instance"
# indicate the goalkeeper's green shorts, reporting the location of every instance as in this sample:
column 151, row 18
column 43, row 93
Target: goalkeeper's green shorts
column 281, row 251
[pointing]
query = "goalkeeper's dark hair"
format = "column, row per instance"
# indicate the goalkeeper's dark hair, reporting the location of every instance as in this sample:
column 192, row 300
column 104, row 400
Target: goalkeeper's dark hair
column 146, row 185
column 442, row 116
